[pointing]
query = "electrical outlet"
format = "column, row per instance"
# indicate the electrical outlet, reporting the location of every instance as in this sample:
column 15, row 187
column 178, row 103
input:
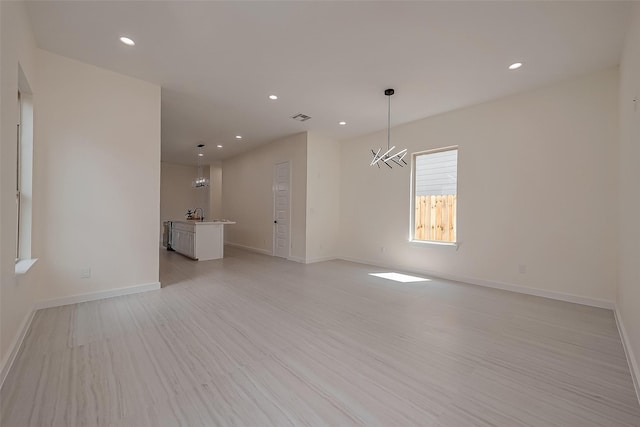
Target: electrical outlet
column 85, row 273
column 382, row 249
column 522, row 268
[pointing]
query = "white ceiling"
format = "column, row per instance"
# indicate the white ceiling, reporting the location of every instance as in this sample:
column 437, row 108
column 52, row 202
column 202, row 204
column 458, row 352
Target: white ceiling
column 218, row 61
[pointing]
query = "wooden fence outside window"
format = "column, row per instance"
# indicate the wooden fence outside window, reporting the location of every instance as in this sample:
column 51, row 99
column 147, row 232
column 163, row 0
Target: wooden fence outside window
column 435, row 218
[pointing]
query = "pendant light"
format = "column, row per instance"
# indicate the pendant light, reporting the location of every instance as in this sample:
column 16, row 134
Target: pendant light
column 200, row 181
column 388, row 158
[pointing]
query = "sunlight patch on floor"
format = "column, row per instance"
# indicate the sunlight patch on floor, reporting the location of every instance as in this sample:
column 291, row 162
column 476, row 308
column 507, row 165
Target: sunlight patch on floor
column 399, row 277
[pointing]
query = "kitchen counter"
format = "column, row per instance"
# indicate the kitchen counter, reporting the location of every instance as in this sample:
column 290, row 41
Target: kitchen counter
column 199, row 240
column 197, row 221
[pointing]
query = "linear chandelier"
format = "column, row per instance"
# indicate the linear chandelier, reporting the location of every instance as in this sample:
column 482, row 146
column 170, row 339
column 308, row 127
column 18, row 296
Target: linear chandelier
column 388, row 158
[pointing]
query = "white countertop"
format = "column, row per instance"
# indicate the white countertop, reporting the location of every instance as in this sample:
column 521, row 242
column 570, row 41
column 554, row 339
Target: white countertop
column 215, row 221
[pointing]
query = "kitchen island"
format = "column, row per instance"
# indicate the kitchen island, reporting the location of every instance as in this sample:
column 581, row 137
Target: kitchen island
column 199, row 240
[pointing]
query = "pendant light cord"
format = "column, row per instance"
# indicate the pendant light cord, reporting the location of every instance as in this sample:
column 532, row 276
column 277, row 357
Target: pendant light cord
column 389, row 123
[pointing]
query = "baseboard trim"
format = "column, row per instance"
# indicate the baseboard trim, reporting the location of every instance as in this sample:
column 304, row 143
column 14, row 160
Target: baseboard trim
column 249, row 248
column 290, row 258
column 576, row 299
column 93, row 296
column 628, row 351
column 320, row 259
column 15, row 346
column 311, row 260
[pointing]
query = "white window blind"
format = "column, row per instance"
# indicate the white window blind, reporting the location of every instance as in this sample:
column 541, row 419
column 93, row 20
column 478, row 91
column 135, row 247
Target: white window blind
column 437, row 173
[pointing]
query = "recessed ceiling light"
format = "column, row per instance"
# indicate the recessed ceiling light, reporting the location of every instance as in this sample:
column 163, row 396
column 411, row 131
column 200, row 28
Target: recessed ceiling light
column 127, row 41
column 200, row 154
column 273, row 97
column 238, row 136
column 219, row 146
column 515, row 65
column 342, row 123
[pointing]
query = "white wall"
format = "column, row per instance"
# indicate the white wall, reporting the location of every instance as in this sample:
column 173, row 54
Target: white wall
column 323, row 197
column 17, row 294
column 629, row 226
column 177, row 194
column 97, row 176
column 247, row 195
column 215, row 190
column 536, row 186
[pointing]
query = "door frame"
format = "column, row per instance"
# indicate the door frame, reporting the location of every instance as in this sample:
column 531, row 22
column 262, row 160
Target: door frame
column 273, row 213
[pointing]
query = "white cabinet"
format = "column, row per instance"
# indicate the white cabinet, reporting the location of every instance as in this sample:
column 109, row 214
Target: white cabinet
column 183, row 239
column 199, row 240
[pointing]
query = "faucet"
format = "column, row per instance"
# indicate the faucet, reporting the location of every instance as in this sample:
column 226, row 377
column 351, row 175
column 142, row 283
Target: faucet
column 201, row 213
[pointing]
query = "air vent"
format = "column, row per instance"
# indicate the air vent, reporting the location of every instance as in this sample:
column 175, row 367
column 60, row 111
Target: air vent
column 301, row 117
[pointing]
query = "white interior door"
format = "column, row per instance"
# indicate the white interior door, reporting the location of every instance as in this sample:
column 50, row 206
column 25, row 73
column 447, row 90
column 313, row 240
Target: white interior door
column 281, row 209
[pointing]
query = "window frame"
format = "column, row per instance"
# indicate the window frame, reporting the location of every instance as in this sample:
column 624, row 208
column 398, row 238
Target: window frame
column 412, row 207
column 18, row 173
column 25, row 134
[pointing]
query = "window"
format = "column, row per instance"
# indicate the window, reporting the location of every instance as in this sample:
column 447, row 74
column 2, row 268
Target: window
column 435, row 195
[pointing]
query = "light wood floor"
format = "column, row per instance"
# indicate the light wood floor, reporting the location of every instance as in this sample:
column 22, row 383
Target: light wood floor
column 259, row 341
